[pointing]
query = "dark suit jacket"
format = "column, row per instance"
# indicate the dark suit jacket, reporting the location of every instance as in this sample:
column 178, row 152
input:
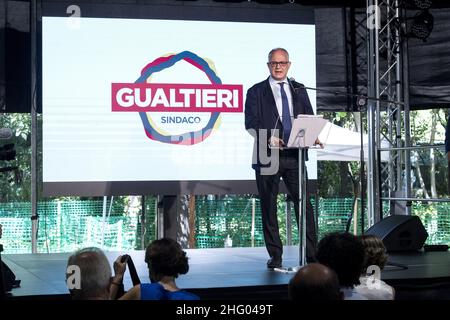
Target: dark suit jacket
column 261, row 112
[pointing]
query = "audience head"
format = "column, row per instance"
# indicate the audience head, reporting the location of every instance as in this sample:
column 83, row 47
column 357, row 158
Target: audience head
column 314, row 282
column 344, row 253
column 95, row 274
column 165, row 258
column 375, row 251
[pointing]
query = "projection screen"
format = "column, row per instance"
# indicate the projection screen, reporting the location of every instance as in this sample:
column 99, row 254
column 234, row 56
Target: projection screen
column 155, row 106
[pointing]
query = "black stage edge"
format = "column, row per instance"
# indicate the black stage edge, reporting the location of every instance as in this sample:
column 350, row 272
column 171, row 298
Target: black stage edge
column 233, row 274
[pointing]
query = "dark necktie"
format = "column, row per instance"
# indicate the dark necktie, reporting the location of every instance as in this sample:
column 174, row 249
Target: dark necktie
column 286, row 116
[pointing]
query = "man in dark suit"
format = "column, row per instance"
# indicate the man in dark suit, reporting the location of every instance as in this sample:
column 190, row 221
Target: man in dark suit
column 273, row 104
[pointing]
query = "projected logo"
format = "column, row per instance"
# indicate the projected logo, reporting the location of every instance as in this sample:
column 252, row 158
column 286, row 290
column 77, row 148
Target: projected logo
column 183, row 105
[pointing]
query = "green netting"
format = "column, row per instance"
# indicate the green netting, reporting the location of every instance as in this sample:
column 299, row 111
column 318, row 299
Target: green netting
column 15, row 219
column 146, row 232
column 65, row 226
column 436, row 220
column 217, row 219
column 333, row 215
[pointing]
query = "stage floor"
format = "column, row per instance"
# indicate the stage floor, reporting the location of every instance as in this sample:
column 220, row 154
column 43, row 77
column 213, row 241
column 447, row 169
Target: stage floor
column 232, row 273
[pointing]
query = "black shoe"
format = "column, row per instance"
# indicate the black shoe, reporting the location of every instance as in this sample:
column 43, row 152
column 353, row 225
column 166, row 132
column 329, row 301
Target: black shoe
column 274, row 263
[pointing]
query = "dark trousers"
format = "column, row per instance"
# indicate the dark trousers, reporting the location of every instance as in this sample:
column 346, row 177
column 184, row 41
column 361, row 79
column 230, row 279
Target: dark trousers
column 268, row 186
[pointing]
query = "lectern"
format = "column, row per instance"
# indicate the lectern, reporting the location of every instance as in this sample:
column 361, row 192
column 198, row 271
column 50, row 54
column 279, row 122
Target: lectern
column 304, row 134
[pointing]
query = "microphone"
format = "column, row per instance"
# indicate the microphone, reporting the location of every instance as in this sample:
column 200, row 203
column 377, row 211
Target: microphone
column 290, row 81
column 5, row 133
column 361, row 99
column 273, row 132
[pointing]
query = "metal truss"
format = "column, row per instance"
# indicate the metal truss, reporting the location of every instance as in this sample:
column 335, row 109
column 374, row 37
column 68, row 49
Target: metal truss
column 388, row 112
column 356, row 49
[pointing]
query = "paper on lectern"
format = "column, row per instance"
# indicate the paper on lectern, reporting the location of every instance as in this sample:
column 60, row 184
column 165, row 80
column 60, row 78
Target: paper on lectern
column 305, row 130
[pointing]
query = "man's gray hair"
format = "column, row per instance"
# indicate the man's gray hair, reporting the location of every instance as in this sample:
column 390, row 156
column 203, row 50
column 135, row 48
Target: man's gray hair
column 95, row 274
column 269, row 57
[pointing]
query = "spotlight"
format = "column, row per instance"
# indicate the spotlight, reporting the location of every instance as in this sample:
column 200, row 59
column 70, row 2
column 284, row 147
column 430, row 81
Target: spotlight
column 421, row 25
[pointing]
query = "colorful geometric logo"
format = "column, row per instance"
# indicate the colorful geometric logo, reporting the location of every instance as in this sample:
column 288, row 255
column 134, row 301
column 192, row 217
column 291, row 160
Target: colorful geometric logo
column 146, row 98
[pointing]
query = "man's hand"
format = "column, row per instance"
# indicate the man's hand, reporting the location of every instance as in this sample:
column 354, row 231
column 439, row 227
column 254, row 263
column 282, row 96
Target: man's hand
column 276, row 142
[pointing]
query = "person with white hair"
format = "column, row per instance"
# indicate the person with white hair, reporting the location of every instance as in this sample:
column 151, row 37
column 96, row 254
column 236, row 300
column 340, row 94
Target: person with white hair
column 93, row 270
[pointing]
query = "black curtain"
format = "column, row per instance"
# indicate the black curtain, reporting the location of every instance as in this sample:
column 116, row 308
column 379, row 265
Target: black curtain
column 429, row 62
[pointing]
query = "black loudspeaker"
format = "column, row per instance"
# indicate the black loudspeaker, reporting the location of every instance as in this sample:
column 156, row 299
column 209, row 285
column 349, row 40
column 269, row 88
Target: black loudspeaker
column 400, row 233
